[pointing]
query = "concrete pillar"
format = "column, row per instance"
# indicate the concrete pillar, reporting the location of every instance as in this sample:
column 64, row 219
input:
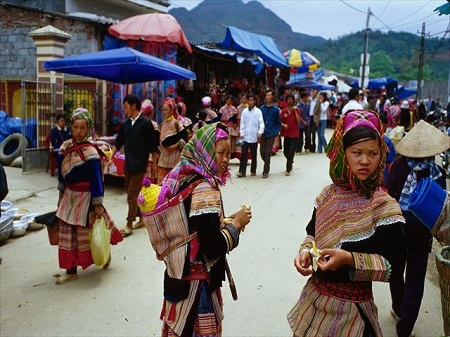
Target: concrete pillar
column 50, row 43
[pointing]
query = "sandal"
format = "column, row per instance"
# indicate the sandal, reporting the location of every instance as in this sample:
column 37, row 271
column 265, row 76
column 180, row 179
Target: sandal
column 66, row 278
column 138, row 224
column 126, row 231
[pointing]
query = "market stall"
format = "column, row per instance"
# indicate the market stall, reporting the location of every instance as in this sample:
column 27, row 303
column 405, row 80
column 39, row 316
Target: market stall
column 124, row 66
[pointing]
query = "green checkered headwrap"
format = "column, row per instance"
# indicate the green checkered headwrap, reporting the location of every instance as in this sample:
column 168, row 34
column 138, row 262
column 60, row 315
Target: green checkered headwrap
column 83, row 113
column 198, row 158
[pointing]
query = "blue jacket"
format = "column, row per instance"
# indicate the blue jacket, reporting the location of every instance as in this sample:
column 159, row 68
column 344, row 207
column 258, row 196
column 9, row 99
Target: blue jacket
column 272, row 122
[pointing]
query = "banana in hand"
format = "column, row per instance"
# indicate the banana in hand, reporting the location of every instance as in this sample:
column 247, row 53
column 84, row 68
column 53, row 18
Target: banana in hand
column 315, row 255
column 228, row 221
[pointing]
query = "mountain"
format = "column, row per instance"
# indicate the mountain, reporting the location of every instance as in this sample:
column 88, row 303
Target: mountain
column 392, row 54
column 208, row 21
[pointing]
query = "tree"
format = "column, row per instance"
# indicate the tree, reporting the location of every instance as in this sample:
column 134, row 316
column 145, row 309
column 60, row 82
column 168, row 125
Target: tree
column 381, row 65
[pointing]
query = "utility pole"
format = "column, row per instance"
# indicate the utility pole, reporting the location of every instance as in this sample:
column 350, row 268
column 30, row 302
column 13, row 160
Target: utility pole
column 421, row 52
column 366, row 47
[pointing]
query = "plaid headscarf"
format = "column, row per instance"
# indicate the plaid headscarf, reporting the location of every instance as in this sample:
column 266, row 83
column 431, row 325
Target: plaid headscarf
column 340, row 172
column 197, row 158
column 83, row 113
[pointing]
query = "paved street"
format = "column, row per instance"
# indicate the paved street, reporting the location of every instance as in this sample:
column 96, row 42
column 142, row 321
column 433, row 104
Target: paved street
column 125, row 300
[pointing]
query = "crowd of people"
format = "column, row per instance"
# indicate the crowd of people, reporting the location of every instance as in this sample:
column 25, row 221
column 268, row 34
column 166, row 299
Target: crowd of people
column 360, row 231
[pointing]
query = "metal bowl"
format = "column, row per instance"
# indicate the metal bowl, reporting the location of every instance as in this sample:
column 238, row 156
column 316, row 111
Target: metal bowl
column 17, row 213
column 5, row 205
column 6, row 227
column 32, row 225
column 19, row 228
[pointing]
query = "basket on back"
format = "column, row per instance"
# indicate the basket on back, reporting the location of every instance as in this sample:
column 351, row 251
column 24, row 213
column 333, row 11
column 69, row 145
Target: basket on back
column 168, row 228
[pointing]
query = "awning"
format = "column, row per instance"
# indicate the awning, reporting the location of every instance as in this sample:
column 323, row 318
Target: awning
column 262, row 45
column 239, row 57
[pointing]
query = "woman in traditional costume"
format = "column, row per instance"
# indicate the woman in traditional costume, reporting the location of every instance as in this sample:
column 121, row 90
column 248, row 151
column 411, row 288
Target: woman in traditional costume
column 193, row 304
column 228, row 116
column 356, row 227
column 173, row 137
column 80, row 202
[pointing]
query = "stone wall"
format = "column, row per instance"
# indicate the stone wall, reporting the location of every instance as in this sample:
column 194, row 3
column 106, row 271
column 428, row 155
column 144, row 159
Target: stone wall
column 18, row 51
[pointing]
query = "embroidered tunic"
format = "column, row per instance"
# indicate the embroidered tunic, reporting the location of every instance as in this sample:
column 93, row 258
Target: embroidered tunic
column 340, row 302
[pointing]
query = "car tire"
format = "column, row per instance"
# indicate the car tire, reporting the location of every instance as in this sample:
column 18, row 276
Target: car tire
column 12, row 147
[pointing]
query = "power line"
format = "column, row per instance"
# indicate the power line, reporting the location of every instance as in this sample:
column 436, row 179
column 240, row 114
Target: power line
column 354, row 8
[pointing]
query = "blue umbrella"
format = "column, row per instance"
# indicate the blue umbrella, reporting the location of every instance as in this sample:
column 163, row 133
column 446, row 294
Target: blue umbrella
column 124, row 65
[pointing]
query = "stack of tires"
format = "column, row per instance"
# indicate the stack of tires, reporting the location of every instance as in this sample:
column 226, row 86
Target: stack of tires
column 11, row 148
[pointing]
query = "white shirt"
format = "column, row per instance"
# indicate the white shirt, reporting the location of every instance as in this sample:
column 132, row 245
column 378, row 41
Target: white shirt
column 324, row 110
column 312, row 106
column 133, row 120
column 252, row 124
column 351, row 105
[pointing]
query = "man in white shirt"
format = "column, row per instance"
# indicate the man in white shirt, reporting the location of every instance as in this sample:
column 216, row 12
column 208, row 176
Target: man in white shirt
column 251, row 130
column 352, row 104
column 312, row 125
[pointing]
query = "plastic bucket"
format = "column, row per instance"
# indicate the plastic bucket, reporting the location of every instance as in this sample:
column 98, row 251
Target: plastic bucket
column 443, row 267
column 427, row 201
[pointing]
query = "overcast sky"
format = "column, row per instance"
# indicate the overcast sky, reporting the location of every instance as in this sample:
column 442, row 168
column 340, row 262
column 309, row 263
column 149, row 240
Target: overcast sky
column 334, row 18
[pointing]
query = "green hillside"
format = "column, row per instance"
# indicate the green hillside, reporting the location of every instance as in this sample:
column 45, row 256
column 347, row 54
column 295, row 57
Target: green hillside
column 391, row 54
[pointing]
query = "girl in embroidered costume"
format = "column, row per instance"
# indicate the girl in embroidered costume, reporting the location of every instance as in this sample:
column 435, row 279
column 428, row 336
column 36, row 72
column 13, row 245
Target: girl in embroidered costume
column 193, row 305
column 80, row 185
column 173, row 137
column 356, row 226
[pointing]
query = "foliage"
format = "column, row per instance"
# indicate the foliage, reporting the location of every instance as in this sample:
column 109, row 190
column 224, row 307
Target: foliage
column 394, row 54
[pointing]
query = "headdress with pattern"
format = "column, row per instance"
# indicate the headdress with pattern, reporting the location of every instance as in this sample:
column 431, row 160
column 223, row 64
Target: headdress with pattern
column 340, row 172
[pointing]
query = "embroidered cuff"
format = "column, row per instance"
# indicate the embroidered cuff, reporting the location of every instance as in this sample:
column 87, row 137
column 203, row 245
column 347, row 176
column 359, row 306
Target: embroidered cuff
column 370, row 267
column 231, row 236
column 97, row 201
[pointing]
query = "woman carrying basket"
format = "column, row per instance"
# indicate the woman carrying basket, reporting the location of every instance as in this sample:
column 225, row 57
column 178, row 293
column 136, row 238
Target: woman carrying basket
column 193, row 302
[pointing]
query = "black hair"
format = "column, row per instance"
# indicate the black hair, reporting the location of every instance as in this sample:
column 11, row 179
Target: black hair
column 179, row 108
column 383, row 118
column 59, row 116
column 358, row 134
column 133, row 99
column 304, row 94
column 353, row 93
column 251, row 96
column 202, row 114
column 270, row 90
column 291, row 96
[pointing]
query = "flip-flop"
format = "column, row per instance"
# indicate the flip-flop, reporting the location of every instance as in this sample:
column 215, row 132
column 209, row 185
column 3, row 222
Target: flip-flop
column 126, row 231
column 66, row 278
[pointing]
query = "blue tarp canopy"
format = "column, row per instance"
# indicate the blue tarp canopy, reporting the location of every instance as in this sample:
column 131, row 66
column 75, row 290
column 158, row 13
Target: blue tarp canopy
column 377, row 83
column 403, row 92
column 297, row 77
column 310, row 84
column 262, row 45
column 123, row 65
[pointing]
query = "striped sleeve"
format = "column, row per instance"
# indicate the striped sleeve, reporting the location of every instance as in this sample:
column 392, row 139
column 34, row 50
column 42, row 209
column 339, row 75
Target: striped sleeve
column 370, row 267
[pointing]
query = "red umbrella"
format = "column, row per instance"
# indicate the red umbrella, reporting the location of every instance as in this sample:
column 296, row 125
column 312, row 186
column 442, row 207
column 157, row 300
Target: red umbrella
column 153, row 27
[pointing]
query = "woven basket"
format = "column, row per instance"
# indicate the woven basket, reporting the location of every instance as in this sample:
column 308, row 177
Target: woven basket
column 443, row 267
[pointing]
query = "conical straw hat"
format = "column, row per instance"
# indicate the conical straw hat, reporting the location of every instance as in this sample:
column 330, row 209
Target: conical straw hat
column 424, row 140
